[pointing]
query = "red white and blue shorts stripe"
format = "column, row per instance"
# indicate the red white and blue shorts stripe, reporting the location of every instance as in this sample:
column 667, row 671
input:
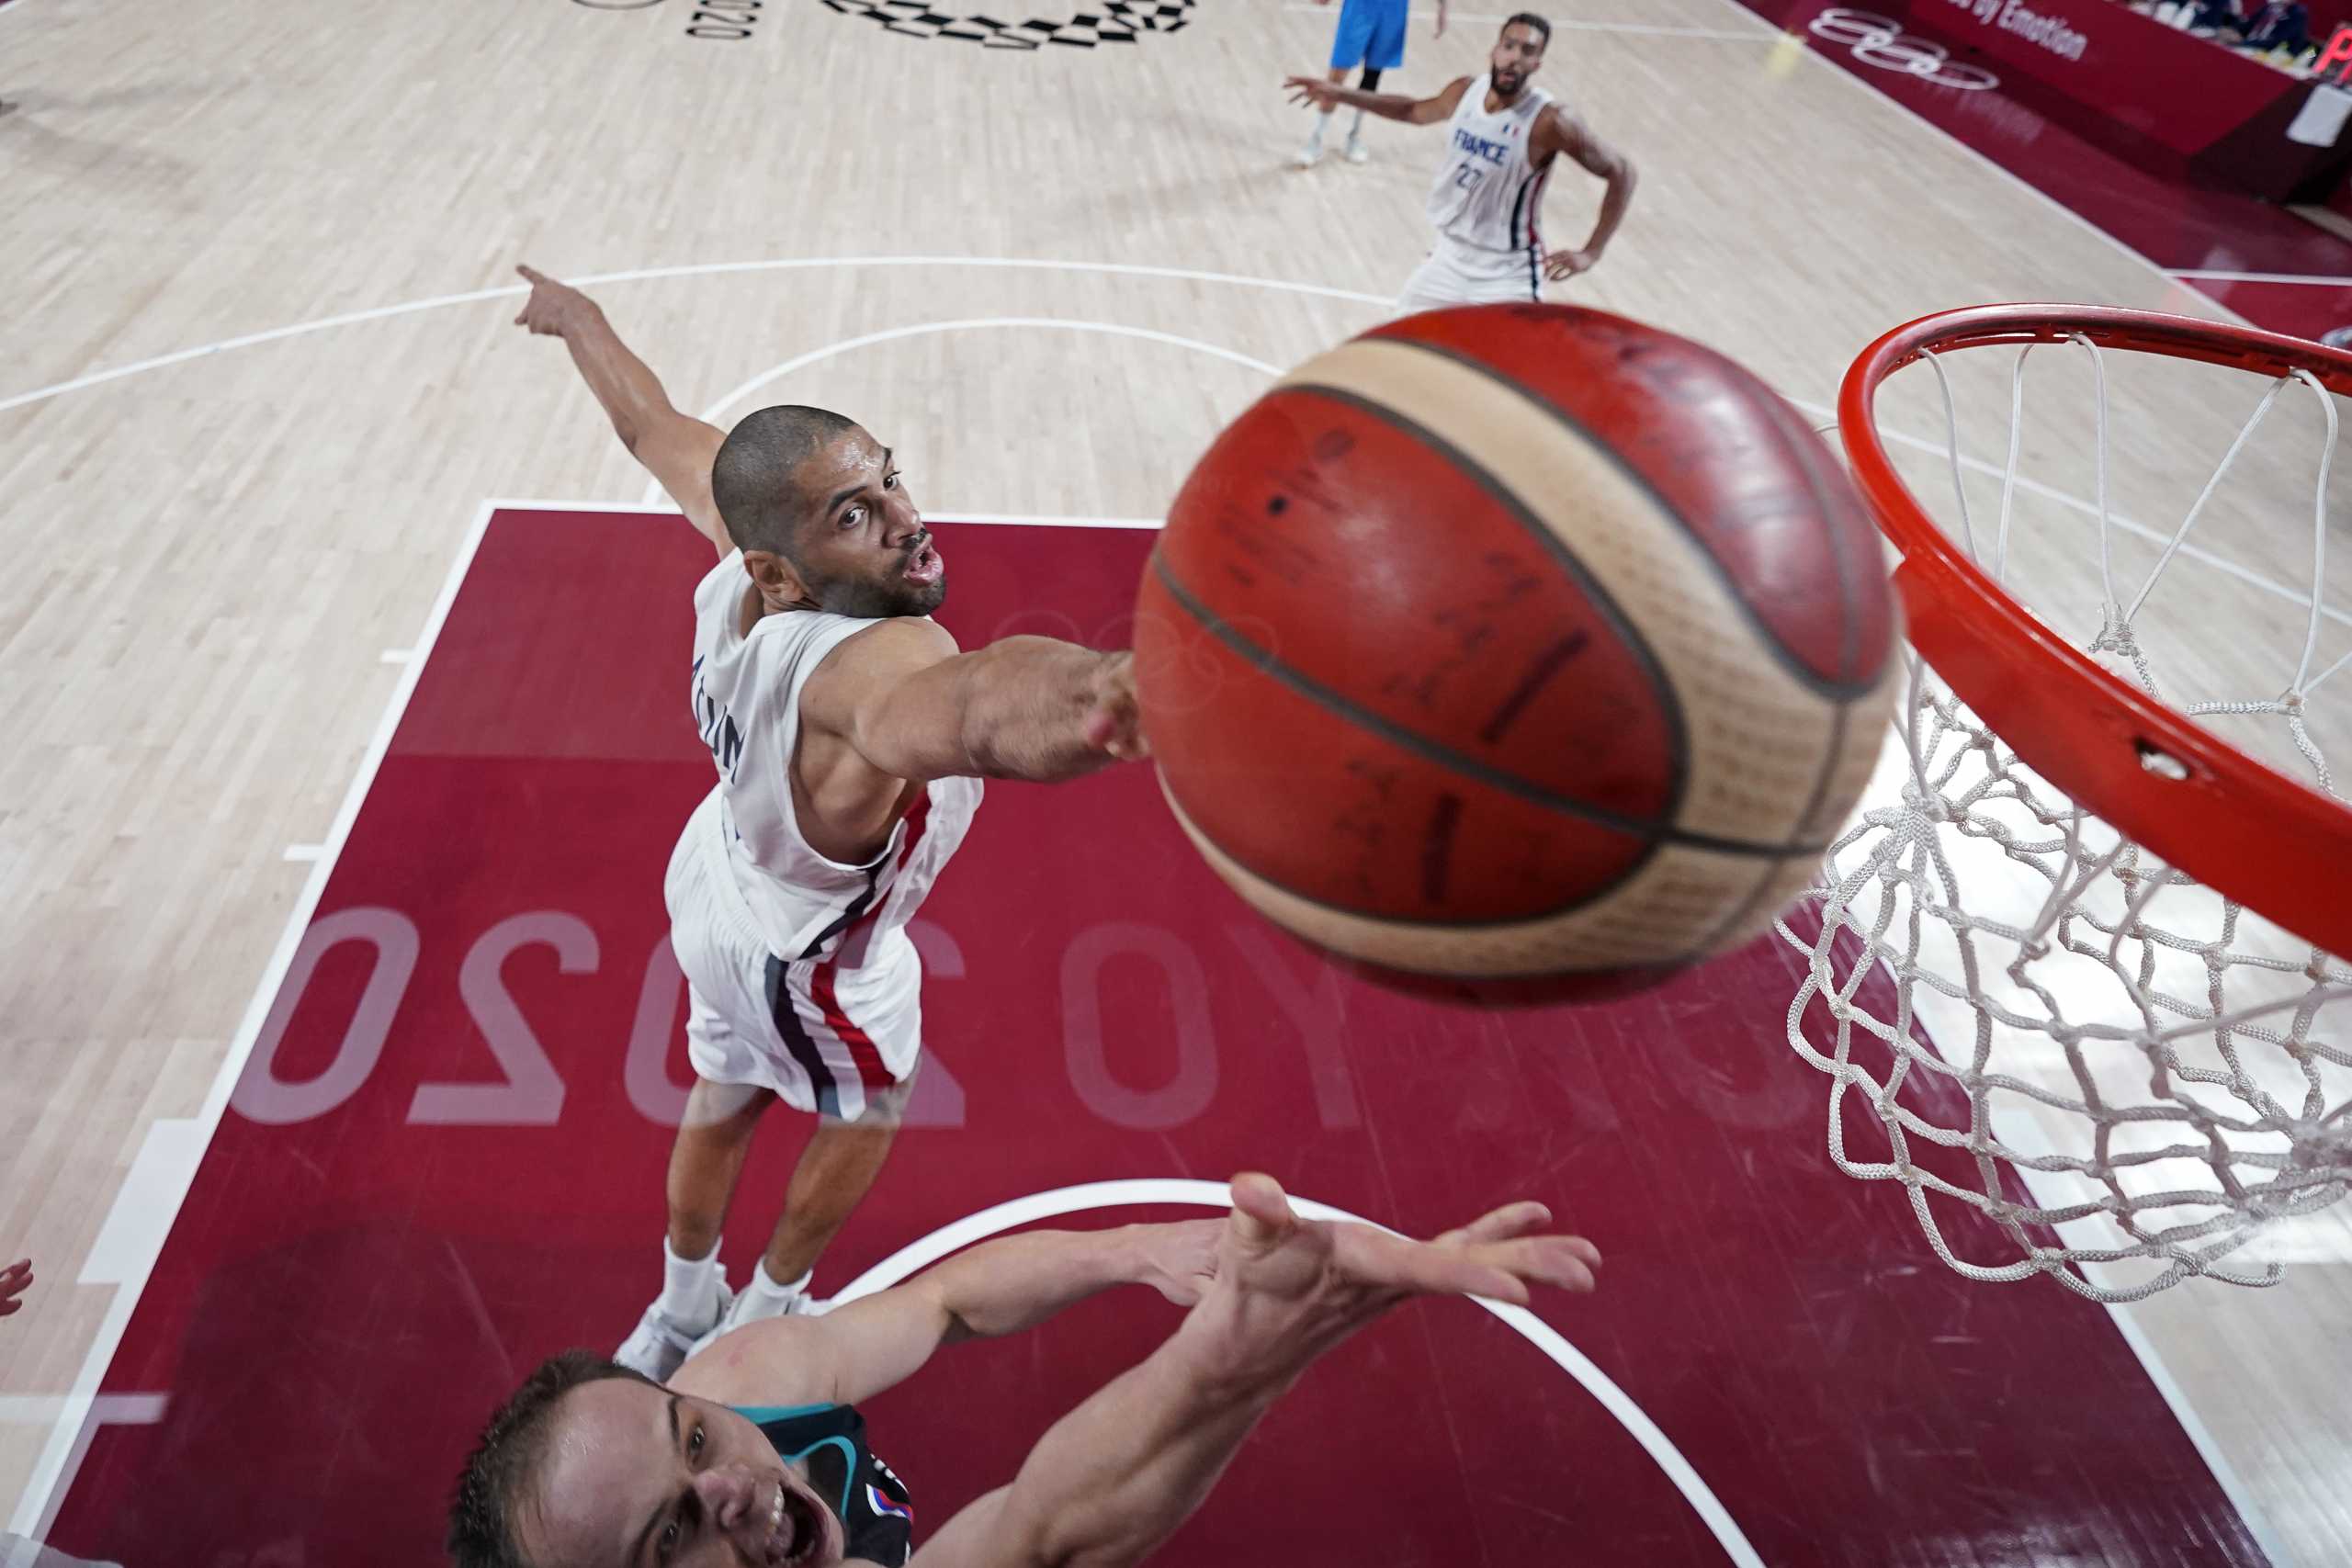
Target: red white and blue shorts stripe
column 837, row 1031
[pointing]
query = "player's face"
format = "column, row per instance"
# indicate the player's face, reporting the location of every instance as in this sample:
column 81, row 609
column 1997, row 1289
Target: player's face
column 637, row 1477
column 864, row 548
column 1517, row 54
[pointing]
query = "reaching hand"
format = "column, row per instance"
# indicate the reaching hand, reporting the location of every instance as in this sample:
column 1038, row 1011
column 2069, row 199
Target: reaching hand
column 553, row 308
column 1286, row 1290
column 13, row 1280
column 1312, row 90
column 1180, row 1259
column 1441, row 20
column 1568, row 264
column 1114, row 724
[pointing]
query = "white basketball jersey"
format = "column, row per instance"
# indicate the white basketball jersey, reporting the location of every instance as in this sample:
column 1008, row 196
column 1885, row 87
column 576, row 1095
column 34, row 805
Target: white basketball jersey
column 1487, row 191
column 747, row 706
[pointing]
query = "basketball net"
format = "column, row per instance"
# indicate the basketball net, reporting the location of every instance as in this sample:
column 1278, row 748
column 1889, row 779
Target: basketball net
column 2023, row 1012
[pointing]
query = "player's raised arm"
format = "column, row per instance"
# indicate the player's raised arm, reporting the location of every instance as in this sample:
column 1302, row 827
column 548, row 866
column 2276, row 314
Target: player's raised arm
column 1000, row 1287
column 1321, row 94
column 1112, row 1480
column 1022, row 707
column 1569, row 137
column 676, row 448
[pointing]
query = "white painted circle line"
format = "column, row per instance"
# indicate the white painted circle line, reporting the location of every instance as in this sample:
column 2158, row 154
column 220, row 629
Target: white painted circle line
column 696, row 269
column 1126, row 1193
column 654, row 491
column 976, row 323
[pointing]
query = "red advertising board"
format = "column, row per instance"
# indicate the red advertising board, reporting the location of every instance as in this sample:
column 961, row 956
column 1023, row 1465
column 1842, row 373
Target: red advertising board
column 2173, row 87
column 2169, row 102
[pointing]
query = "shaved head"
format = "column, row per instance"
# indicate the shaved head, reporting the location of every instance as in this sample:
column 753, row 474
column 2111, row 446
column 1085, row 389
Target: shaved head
column 755, row 477
column 818, row 508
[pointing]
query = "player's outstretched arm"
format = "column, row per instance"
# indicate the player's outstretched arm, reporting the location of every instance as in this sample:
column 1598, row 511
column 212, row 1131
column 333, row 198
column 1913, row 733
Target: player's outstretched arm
column 1113, row 1478
column 855, row 1351
column 1570, row 137
column 1022, row 707
column 676, row 448
column 1318, row 93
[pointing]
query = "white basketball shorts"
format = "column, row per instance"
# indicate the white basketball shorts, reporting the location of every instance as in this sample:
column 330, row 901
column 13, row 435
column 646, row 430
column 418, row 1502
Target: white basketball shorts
column 1456, row 274
column 841, row 1043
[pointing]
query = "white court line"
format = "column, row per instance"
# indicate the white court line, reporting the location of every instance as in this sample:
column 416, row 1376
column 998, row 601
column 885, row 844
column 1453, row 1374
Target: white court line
column 1217, row 1195
column 1559, row 23
column 979, row 323
column 2151, row 1362
column 1949, row 1022
column 111, row 1409
column 695, row 269
column 106, row 1410
column 2210, row 276
column 654, row 491
column 2196, row 553
column 509, row 503
column 133, row 1231
column 69, row 1439
column 2051, row 202
column 655, row 499
column 80, row 1411
column 652, row 502
column 1018, row 519
column 45, row 1486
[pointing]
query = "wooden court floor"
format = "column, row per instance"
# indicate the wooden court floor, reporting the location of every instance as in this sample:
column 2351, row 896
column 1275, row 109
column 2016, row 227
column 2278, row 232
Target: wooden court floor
column 257, row 376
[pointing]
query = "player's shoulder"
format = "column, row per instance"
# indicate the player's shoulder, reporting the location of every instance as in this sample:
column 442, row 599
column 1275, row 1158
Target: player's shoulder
column 901, row 637
column 715, row 582
column 884, row 650
column 776, row 1365
column 1556, row 124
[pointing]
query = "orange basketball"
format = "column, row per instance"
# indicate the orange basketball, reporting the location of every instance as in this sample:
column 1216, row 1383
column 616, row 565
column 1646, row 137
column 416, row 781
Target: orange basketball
column 1516, row 642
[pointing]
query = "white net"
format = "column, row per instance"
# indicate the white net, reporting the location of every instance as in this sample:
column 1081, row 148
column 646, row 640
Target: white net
column 2026, row 1018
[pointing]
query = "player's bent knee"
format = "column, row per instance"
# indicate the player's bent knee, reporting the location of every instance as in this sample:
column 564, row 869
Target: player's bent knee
column 710, row 1104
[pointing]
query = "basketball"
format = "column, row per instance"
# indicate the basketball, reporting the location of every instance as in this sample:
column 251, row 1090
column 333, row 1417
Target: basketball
column 1518, row 643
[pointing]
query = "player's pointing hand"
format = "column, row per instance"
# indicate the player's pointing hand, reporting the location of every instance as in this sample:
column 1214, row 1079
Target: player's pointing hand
column 553, row 308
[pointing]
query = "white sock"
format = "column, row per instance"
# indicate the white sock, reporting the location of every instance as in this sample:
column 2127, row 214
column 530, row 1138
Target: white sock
column 767, row 1297
column 1356, row 129
column 689, row 1288
column 1320, row 121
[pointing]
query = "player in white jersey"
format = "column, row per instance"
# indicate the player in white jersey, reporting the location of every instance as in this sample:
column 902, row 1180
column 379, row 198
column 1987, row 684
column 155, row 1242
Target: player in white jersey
column 1502, row 137
column 850, row 737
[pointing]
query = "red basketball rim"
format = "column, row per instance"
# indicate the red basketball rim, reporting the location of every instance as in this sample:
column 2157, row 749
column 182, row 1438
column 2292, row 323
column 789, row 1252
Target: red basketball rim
column 2251, row 833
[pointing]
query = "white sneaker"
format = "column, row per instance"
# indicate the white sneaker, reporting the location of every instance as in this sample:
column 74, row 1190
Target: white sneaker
column 658, row 1345
column 1355, row 152
column 750, row 1307
column 1309, row 155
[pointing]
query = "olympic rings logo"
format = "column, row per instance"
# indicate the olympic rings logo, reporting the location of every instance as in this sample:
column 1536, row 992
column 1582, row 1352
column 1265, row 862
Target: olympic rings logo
column 1878, row 41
